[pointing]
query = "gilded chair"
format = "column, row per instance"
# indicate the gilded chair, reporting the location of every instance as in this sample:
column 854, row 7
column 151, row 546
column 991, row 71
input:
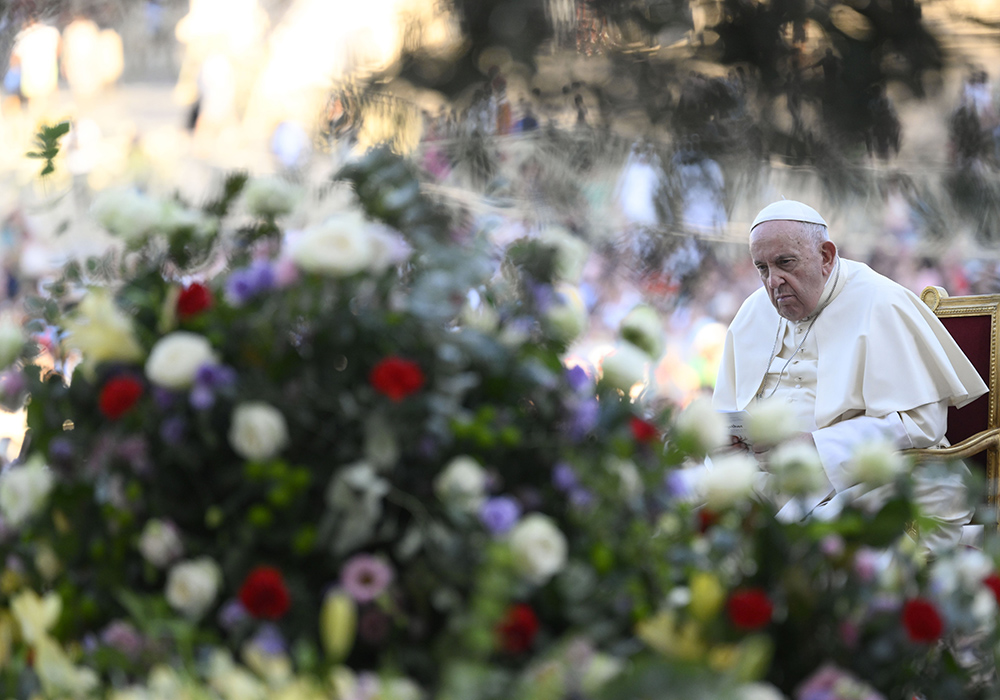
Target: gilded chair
column 974, row 429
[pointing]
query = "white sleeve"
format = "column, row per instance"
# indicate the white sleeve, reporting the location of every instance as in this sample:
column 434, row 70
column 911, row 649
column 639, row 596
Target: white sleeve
column 923, row 426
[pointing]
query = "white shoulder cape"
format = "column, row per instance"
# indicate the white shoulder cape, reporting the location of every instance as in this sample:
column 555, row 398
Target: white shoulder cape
column 881, row 350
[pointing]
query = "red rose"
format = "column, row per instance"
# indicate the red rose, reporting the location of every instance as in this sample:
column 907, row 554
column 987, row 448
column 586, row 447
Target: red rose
column 643, row 431
column 396, row 378
column 516, row 632
column 118, row 396
column 706, row 519
column 194, row 299
column 749, row 608
column 993, row 583
column 264, row 593
column 922, row 621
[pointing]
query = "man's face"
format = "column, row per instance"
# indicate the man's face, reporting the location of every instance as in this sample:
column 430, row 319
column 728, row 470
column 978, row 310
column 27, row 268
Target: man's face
column 793, row 266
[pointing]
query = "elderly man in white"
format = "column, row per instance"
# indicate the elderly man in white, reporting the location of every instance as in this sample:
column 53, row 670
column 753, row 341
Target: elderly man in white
column 857, row 356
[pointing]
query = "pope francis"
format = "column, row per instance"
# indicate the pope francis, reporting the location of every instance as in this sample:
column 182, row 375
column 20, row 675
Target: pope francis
column 857, row 356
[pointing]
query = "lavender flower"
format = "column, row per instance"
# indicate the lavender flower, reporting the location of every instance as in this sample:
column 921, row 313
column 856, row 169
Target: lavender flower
column 577, row 378
column 269, row 640
column 173, row 429
column 583, row 419
column 500, row 514
column 215, row 376
column 201, row 397
column 233, row 614
column 134, row 450
column 365, row 577
column 246, row 283
column 581, row 498
column 678, row 484
column 61, row 453
column 564, row 477
column 124, row 637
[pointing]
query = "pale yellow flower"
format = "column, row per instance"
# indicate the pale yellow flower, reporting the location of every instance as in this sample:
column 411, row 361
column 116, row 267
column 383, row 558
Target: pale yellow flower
column 102, row 331
column 35, row 615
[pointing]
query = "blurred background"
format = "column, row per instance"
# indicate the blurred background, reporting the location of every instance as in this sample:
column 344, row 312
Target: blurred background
column 641, row 134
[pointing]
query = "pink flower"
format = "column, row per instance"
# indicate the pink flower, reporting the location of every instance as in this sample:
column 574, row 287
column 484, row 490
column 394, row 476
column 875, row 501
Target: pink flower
column 365, row 577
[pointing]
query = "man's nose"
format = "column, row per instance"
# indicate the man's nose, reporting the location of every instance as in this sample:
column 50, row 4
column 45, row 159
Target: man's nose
column 774, row 280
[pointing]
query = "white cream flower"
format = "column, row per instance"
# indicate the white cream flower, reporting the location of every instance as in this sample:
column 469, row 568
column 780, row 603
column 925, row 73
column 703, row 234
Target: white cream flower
column 174, row 217
column 643, row 328
column 271, row 196
column 875, row 463
column 797, row 468
column 772, row 422
column 702, row 425
column 24, row 489
column 176, row 358
column 758, row 691
column 630, row 482
column 539, row 548
column 192, row 586
column 126, row 213
column 728, row 481
column 462, row 483
column 624, row 367
column 340, row 247
column 160, row 543
column 258, row 430
column 101, row 331
column 35, row 615
column 566, row 316
column 12, row 340
column 58, row 675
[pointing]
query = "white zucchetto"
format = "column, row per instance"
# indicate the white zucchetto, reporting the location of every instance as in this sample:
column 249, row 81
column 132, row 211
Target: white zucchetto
column 788, row 210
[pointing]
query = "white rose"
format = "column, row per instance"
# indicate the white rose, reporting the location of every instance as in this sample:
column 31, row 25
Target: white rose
column 797, row 468
column 176, row 358
column 271, row 196
column 984, row 608
column 160, row 543
column 973, row 566
column 702, row 425
column 539, row 548
column 772, row 422
column 566, row 317
column 340, row 247
column 624, row 367
column 174, row 217
column 23, row 491
column 462, row 483
column 875, row 463
column 102, row 331
column 11, row 340
column 758, row 691
column 728, row 481
column 643, row 328
column 192, row 586
column 126, row 213
column 258, row 430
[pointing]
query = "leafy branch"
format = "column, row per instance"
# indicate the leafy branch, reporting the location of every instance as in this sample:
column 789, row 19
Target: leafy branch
column 47, row 142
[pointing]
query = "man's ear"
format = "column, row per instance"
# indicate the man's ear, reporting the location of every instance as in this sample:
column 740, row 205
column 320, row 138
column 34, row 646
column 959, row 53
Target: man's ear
column 828, row 253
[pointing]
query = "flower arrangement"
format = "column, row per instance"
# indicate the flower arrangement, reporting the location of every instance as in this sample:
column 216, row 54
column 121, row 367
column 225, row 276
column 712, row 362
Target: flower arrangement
column 348, row 461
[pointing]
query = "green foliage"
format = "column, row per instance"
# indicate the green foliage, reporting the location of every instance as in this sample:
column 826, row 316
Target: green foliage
column 47, row 145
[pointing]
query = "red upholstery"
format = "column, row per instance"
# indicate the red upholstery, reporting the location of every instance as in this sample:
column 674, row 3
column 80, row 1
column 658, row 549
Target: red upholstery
column 972, row 333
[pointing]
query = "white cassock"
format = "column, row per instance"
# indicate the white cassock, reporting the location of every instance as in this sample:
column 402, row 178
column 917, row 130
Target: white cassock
column 873, row 364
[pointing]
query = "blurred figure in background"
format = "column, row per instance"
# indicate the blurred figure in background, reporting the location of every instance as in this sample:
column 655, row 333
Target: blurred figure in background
column 36, row 55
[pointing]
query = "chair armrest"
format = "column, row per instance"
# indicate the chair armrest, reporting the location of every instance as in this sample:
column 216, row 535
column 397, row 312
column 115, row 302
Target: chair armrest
column 974, row 444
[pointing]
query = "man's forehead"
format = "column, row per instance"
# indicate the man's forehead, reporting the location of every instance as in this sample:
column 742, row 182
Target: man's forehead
column 778, row 238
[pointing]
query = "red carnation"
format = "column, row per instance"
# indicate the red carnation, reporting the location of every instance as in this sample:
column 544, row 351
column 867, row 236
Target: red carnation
column 643, row 431
column 749, row 608
column 516, row 632
column 396, row 378
column 194, row 299
column 993, row 583
column 922, row 621
column 118, row 396
column 264, row 593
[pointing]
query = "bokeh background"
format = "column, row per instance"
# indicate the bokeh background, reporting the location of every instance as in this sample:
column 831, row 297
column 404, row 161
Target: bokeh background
column 643, row 134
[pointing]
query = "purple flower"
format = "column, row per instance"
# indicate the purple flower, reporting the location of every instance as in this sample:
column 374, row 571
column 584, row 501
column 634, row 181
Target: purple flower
column 365, row 577
column 246, row 283
column 866, row 564
column 201, row 397
column 124, row 637
column 543, row 295
column 581, row 498
column 583, row 419
column 678, row 485
column 135, row 452
column 500, row 514
column 577, row 378
column 269, row 640
column 61, row 451
column 215, row 376
column 233, row 614
column 12, row 388
column 164, row 398
column 832, row 545
column 172, row 430
column 564, row 477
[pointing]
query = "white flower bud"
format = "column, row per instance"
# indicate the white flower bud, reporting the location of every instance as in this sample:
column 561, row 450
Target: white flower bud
column 258, row 430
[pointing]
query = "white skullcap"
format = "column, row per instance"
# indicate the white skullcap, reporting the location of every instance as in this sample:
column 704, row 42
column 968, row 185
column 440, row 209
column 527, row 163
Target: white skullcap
column 788, row 210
